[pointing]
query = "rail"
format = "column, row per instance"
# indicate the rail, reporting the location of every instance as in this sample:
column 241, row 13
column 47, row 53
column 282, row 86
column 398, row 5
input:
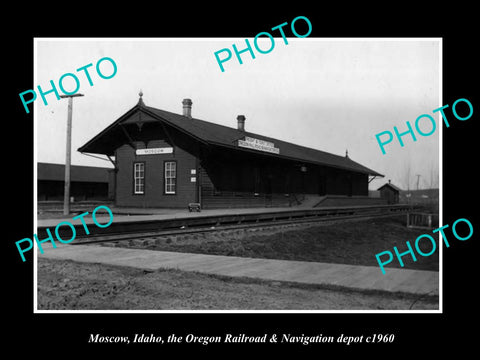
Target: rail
column 205, row 222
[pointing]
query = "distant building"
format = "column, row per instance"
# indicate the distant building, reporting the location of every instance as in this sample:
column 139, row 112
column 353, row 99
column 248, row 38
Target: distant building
column 86, row 182
column 390, row 193
column 420, row 196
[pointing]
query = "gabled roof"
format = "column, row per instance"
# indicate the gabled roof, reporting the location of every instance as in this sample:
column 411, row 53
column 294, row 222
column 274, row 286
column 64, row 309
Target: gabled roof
column 218, row 135
column 49, row 171
column 391, row 186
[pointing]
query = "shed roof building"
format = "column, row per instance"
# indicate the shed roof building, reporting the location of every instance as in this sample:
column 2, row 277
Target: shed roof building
column 390, row 193
column 87, row 182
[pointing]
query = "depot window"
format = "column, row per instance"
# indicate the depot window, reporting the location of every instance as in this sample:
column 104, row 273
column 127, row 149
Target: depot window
column 170, row 172
column 139, row 178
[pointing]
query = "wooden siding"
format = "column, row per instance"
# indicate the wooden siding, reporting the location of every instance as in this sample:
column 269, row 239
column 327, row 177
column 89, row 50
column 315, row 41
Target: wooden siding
column 154, row 194
column 213, row 197
column 237, row 180
column 390, row 195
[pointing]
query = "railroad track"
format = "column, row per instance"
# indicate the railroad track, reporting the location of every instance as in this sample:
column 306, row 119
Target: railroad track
column 215, row 225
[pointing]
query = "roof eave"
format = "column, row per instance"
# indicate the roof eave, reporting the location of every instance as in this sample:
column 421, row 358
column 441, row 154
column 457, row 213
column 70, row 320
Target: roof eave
column 86, row 148
column 369, row 172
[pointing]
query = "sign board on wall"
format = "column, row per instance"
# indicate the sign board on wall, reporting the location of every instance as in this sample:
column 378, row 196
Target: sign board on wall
column 257, row 144
column 154, row 151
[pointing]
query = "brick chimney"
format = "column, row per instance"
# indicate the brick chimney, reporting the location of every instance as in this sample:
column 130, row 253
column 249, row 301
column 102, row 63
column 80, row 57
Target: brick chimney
column 241, row 122
column 187, row 108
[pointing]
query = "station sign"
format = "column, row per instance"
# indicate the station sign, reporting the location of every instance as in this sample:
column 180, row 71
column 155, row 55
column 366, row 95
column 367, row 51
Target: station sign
column 154, row 151
column 257, row 144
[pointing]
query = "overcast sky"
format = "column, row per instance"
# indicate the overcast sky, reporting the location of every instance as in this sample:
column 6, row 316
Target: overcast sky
column 328, row 94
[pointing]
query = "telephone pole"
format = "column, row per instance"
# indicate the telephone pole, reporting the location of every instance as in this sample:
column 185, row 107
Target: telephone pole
column 66, row 193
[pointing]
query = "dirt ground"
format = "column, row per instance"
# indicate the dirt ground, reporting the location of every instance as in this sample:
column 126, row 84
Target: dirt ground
column 347, row 242
column 73, row 286
column 69, row 285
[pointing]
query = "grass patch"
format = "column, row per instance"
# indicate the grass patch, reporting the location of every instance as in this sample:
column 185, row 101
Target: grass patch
column 69, row 285
column 347, row 242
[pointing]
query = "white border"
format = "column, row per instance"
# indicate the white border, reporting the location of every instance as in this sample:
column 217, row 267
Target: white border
column 440, row 181
column 439, row 311
column 35, row 167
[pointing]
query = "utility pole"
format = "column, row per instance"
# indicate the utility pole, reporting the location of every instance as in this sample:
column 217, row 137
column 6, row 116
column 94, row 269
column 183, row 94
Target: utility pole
column 66, row 193
column 418, row 180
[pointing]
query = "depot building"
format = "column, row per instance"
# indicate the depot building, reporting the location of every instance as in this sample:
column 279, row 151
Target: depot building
column 164, row 159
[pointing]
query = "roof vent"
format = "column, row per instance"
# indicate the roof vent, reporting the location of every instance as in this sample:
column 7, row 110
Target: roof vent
column 241, row 122
column 187, row 108
column 140, row 100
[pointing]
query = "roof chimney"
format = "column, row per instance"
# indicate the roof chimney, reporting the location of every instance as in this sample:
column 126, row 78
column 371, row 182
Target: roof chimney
column 241, row 122
column 187, row 108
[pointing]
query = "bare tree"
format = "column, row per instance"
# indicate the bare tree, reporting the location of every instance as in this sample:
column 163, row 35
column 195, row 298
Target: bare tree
column 434, row 176
column 431, row 180
column 407, row 175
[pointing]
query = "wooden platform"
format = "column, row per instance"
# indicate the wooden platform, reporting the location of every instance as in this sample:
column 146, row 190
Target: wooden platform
column 173, row 220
